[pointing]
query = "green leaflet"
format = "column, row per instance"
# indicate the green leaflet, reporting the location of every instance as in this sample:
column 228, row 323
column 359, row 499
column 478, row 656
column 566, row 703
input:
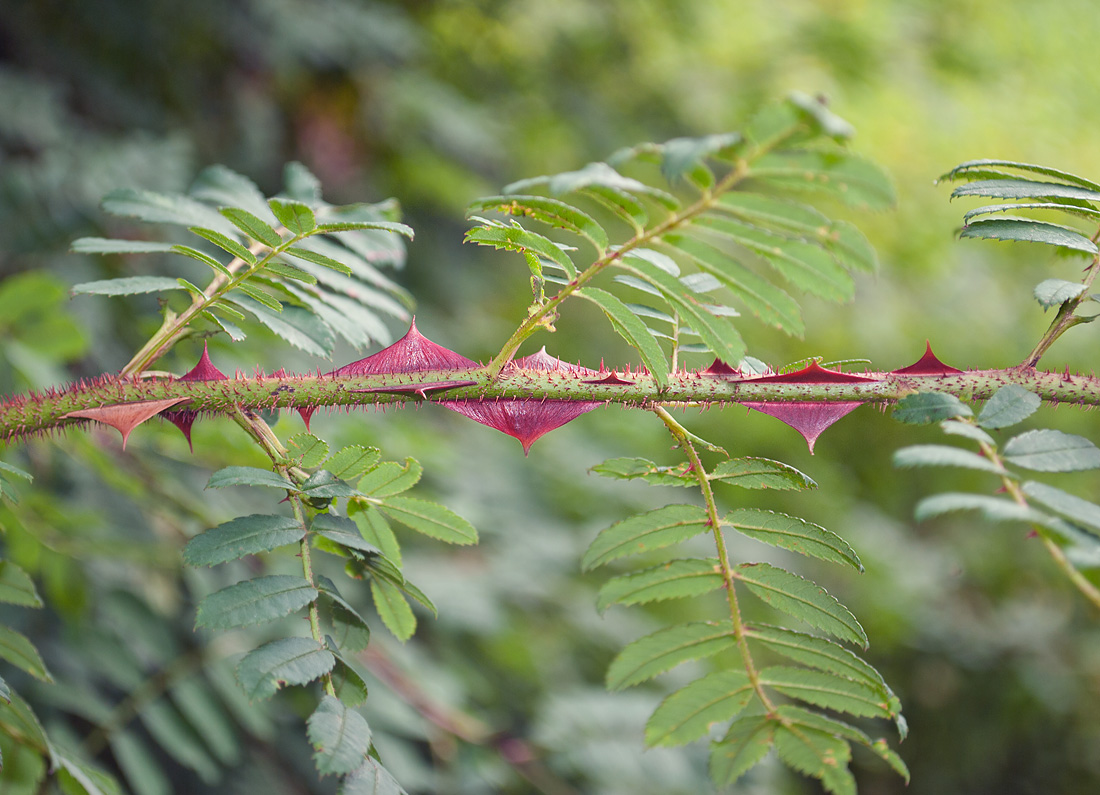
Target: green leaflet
column 1025, row 189
column 322, row 484
column 227, row 244
column 674, row 579
column 308, row 449
column 801, row 598
column 17, row 649
column 359, row 226
column 655, row 529
column 340, row 737
column 630, row 328
column 1028, row 230
column 688, row 713
column 201, row 708
column 997, row 509
column 287, row 661
column 371, row 779
column 143, row 772
column 819, row 754
column 375, row 529
column 342, row 531
column 164, row 208
column 173, row 734
column 530, row 244
column 349, row 628
column 663, row 650
column 1052, row 451
column 827, row 690
column 791, row 532
column 744, row 744
column 393, row 609
column 254, row 601
column 16, row 586
column 107, row 245
column 245, row 535
column 938, row 455
column 967, row 430
column 349, row 462
column 1009, row 405
column 760, row 473
column 350, row 687
column 318, row 258
column 248, row 476
column 390, row 478
column 1055, row 292
column 643, row 469
column 552, row 212
column 851, row 179
column 253, row 227
column 294, row 215
column 431, row 519
column 972, row 169
column 925, row 407
column 90, row 780
column 803, row 717
column 1068, row 505
column 128, row 285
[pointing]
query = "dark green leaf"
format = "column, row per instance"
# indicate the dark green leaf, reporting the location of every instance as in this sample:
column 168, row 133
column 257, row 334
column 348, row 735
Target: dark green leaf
column 1025, row 189
column 744, row 744
column 294, row 215
column 246, row 535
column 340, row 737
column 675, row 579
column 1052, row 451
column 16, row 586
column 255, row 601
column 666, row 648
column 430, row 518
column 258, row 230
column 803, row 717
column 1055, row 292
column 248, row 476
column 342, row 531
column 938, row 455
column 1009, row 405
column 925, row 407
column 827, row 690
column 128, row 285
column 287, row 661
column 17, row 649
column 760, row 473
column 1026, row 229
column 687, row 714
column 350, row 687
column 817, row 753
column 390, row 478
column 656, row 529
column 801, row 598
column 289, row 272
column 631, row 329
column 322, row 484
column 261, row 296
column 790, row 532
column 971, row 167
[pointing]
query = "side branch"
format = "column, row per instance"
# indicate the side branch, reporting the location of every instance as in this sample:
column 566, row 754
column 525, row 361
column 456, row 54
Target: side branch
column 33, row 413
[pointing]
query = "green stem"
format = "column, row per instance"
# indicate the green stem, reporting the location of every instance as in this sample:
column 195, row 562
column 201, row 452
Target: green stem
column 683, row 439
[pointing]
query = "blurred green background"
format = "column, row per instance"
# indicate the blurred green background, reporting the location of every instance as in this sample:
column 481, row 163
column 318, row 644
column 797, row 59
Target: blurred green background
column 995, row 658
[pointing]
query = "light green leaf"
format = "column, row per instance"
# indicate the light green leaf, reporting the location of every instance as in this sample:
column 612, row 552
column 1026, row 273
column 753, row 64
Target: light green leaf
column 254, row 601
column 309, row 449
column 245, row 535
column 248, row 476
column 938, row 455
column 655, row 529
column 675, row 579
column 853, row 180
column 967, row 430
column 342, row 531
column 745, row 744
column 643, row 469
column 430, row 518
column 340, row 737
column 357, row 226
column 688, row 713
column 666, row 648
column 228, row 244
column 516, row 238
column 260, row 296
column 1025, row 189
column 392, row 608
column 1052, row 451
column 348, row 462
column 107, row 245
column 1055, row 292
column 258, row 230
column 1068, row 505
column 1028, row 230
column 791, row 532
column 819, row 754
column 630, row 328
column 925, row 407
column 295, row 216
column 801, row 598
column 298, row 326
column 827, row 690
column 1009, row 405
column 318, row 258
column 390, row 478
column 997, row 509
column 286, row 661
column 128, row 285
column 17, row 649
column 553, row 212
column 375, row 529
column 287, row 271
column 16, row 586
column 682, row 156
column 371, row 779
column 760, row 473
column 163, row 208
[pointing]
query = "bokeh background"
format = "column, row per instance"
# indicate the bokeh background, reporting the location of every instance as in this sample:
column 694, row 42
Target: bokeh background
column 437, row 102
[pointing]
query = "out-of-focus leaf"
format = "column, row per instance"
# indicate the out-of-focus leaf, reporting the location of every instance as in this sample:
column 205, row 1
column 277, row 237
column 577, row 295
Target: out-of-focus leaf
column 1028, row 230
column 552, row 212
column 107, row 245
column 1068, row 505
column 1009, row 405
column 340, row 737
column 925, row 407
column 128, row 285
column 1048, row 450
column 16, row 586
column 17, row 649
column 1055, row 292
column 939, row 455
column 744, row 744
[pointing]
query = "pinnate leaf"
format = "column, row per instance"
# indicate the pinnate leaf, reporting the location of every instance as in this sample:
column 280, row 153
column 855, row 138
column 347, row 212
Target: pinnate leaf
column 287, row 661
column 801, row 598
column 255, row 601
column 791, row 532
column 675, row 579
column 1048, row 450
column 688, row 713
column 245, row 535
column 666, row 648
column 819, row 754
column 340, row 737
column 655, row 529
